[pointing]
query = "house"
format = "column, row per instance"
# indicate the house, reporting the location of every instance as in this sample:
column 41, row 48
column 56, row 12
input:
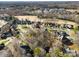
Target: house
column 68, row 26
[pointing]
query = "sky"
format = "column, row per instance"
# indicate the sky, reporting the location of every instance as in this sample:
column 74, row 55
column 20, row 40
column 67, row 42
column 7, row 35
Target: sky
column 39, row 0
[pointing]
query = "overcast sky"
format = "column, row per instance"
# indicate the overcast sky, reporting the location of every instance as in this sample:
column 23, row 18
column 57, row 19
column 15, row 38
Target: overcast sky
column 39, row 0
